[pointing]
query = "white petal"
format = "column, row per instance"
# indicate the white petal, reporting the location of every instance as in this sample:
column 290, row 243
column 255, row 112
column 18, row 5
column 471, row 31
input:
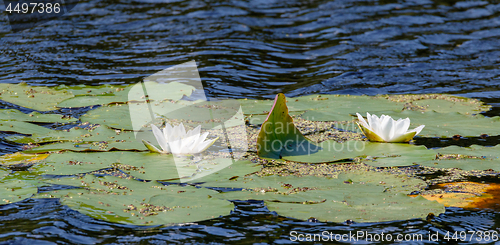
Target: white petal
column 168, row 131
column 362, row 121
column 418, row 129
column 200, row 139
column 386, row 124
column 187, row 144
column 406, row 125
column 160, row 138
column 195, row 131
column 399, row 128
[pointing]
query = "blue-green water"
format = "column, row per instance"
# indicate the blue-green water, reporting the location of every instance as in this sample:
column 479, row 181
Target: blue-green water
column 255, row 49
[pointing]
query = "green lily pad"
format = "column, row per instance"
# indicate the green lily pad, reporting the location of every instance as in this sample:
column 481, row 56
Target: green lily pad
column 158, row 91
column 92, row 90
column 449, row 124
column 396, row 154
column 101, row 133
column 89, row 147
column 467, row 164
column 15, row 188
column 278, row 133
column 326, row 151
column 361, row 207
column 357, row 196
column 487, row 158
column 147, row 166
column 342, row 107
column 445, row 106
column 140, row 203
column 378, row 154
column 22, row 127
column 15, row 115
column 37, row 98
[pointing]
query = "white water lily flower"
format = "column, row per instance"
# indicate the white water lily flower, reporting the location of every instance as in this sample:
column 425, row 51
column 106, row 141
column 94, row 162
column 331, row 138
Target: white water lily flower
column 386, row 129
column 175, row 140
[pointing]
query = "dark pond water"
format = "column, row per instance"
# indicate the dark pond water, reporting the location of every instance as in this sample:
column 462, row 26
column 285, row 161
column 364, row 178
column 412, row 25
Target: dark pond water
column 255, row 49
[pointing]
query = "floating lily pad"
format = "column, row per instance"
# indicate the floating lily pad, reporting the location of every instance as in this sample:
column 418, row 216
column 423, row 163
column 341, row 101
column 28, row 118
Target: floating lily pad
column 492, row 152
column 21, row 159
column 37, row 98
column 444, row 106
column 358, row 196
column 278, row 133
column 377, row 154
column 101, row 133
column 14, row 188
column 449, row 124
column 22, row 127
column 226, row 170
column 136, row 116
column 342, row 107
column 396, row 154
column 15, row 115
column 158, row 91
column 361, row 206
column 88, row 147
column 133, row 202
column 146, row 166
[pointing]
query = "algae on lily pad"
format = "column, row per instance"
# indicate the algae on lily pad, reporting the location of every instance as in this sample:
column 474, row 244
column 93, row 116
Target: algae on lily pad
column 128, row 201
column 76, row 134
column 278, row 133
column 396, row 154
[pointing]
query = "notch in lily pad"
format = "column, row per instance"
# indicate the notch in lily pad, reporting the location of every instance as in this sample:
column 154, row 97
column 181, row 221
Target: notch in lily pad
column 278, row 134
